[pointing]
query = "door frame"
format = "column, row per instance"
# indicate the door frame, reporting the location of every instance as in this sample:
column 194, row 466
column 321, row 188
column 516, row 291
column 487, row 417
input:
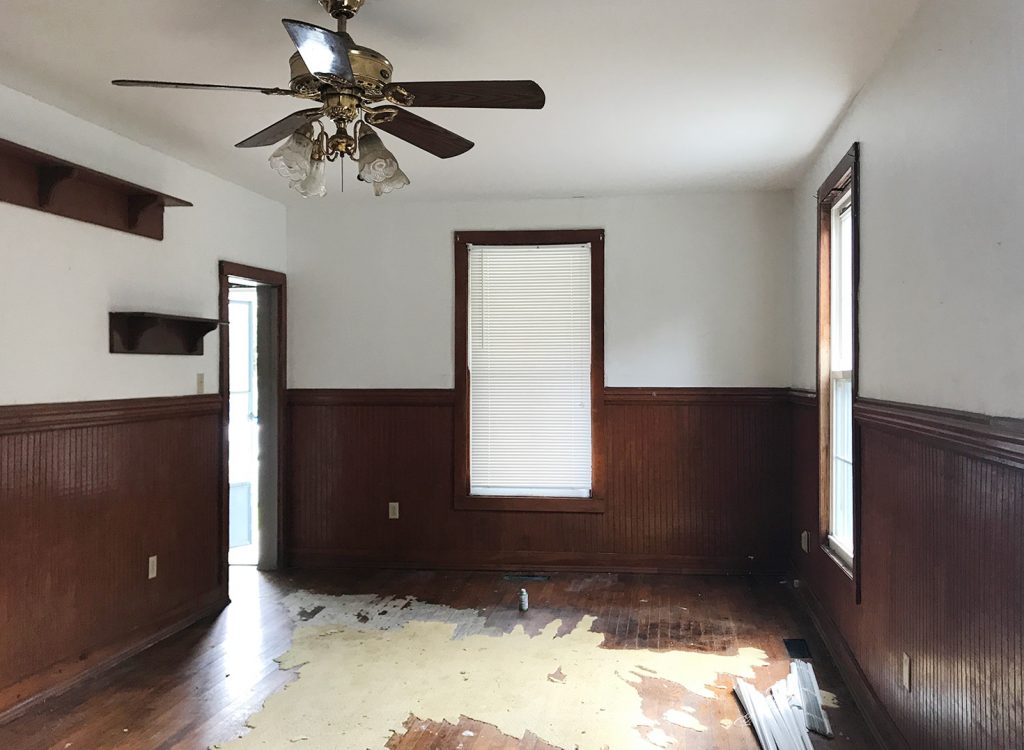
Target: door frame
column 278, row 281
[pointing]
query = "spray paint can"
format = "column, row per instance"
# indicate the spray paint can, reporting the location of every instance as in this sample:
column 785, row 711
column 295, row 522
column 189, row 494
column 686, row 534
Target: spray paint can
column 524, row 600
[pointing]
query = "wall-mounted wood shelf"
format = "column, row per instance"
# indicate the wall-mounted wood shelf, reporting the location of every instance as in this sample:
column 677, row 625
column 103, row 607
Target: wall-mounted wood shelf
column 153, row 333
column 36, row 180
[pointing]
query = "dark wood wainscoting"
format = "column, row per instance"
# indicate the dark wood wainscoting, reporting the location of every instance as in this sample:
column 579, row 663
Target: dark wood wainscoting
column 88, row 491
column 698, row 480
column 942, row 574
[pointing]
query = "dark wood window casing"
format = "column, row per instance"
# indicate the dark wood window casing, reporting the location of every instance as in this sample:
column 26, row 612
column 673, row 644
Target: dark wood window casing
column 463, row 500
column 845, row 178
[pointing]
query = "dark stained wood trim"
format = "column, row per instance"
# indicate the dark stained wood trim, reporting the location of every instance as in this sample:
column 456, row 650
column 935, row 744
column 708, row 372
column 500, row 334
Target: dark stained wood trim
column 371, row 397
column 674, row 486
column 533, row 561
column 531, row 504
column 694, row 395
column 278, row 280
column 1000, row 440
column 262, row 275
column 158, row 333
column 462, row 500
column 447, row 397
column 805, row 398
column 845, row 176
column 875, row 715
column 66, row 675
column 72, row 415
column 942, row 519
column 35, row 180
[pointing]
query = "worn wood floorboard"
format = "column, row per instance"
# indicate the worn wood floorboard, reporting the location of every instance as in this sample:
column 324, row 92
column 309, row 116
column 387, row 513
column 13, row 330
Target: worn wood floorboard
column 198, row 687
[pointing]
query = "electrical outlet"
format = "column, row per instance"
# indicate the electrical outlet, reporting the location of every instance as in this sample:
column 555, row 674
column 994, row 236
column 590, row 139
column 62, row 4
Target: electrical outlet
column 906, row 672
column 805, row 540
column 200, row 383
column 152, row 567
column 393, row 511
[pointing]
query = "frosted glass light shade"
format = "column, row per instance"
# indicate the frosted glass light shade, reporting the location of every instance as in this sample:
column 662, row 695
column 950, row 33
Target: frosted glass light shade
column 376, row 163
column 292, row 159
column 396, row 182
column 315, row 183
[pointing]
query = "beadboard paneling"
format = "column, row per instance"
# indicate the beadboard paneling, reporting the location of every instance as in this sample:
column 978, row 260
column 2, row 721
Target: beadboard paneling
column 942, row 574
column 87, row 493
column 697, row 480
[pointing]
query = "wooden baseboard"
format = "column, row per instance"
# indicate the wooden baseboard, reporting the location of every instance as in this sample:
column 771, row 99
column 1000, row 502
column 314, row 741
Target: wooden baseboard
column 534, row 561
column 63, row 676
column 875, row 715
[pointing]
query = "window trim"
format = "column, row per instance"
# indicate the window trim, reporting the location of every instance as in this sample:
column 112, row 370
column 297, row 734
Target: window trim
column 463, row 500
column 844, row 179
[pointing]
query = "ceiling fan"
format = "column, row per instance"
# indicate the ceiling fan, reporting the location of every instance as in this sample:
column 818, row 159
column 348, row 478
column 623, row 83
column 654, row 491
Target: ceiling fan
column 352, row 86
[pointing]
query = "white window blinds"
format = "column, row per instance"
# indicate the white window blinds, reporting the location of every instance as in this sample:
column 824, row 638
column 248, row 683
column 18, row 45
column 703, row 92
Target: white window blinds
column 529, row 371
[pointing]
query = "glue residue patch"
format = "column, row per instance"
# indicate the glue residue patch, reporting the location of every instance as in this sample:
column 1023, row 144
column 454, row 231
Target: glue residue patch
column 361, row 677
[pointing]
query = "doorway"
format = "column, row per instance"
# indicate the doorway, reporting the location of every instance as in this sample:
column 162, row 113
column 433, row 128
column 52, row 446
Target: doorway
column 252, row 370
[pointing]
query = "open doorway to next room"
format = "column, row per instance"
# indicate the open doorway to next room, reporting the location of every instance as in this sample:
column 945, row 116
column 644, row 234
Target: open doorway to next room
column 252, row 303
column 243, row 425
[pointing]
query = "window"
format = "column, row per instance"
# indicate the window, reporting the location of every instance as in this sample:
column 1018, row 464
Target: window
column 841, row 510
column 837, row 352
column 529, row 340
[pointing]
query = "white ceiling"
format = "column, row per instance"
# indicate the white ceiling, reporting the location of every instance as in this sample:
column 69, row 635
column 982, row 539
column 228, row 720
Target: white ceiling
column 643, row 96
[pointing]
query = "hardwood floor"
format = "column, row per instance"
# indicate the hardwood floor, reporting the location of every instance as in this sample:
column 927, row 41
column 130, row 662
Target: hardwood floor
column 198, row 688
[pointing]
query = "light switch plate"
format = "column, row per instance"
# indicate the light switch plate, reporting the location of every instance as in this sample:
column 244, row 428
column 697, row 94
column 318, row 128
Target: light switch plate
column 152, row 567
column 393, row 511
column 200, row 383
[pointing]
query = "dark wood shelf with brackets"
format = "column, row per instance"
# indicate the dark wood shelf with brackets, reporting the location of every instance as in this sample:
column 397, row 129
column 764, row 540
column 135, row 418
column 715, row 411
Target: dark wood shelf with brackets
column 36, row 180
column 154, row 333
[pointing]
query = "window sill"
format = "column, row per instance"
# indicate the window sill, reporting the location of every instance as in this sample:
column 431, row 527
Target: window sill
column 530, row 504
column 840, row 562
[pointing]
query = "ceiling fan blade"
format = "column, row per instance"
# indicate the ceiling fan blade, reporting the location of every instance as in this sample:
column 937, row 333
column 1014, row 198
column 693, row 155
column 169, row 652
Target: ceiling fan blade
column 482, row 94
column 281, row 129
column 200, row 87
column 324, row 52
column 419, row 132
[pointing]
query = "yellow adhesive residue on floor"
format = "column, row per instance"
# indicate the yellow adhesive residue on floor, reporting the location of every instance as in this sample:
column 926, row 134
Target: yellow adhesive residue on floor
column 357, row 686
column 829, row 700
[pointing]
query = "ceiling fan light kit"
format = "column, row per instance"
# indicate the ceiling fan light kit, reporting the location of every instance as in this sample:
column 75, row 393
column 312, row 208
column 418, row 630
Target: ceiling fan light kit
column 292, row 158
column 376, row 163
column 354, row 89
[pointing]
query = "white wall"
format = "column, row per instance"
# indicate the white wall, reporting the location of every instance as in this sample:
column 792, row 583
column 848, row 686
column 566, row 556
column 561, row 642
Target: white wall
column 697, row 287
column 59, row 278
column 942, row 225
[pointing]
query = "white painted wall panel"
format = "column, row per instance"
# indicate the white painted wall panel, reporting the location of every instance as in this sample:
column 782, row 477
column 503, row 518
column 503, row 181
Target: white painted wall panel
column 59, row 278
column 942, row 251
column 697, row 287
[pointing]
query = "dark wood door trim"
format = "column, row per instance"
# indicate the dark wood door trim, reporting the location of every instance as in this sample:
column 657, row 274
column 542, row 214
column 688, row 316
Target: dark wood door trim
column 279, row 281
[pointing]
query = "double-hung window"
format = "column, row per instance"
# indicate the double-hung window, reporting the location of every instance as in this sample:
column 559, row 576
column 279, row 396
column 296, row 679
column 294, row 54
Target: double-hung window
column 840, row 535
column 837, row 357
column 529, row 381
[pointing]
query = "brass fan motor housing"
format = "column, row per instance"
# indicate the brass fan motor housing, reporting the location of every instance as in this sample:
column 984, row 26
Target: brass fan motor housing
column 371, row 69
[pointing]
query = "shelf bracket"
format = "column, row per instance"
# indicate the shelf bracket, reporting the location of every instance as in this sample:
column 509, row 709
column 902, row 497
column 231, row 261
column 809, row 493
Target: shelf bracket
column 50, row 176
column 137, row 205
